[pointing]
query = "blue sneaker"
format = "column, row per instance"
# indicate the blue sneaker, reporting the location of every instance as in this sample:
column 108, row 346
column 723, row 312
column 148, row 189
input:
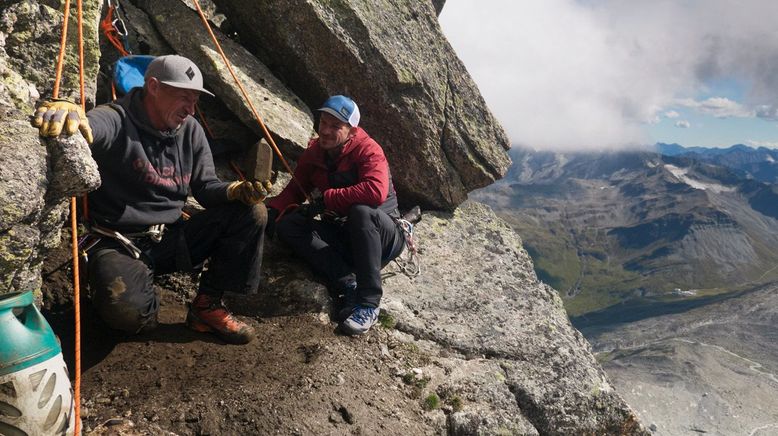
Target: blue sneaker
column 360, row 320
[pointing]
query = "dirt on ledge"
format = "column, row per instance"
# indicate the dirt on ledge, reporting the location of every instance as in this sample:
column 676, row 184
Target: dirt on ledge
column 299, row 376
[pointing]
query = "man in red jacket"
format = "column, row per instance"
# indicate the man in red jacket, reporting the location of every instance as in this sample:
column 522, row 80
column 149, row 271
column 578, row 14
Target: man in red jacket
column 347, row 176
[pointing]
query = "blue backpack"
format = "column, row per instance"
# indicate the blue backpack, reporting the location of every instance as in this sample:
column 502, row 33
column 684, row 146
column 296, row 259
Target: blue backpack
column 128, row 72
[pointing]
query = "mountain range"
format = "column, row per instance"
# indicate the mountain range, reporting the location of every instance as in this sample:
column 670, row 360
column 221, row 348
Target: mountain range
column 753, row 163
column 608, row 227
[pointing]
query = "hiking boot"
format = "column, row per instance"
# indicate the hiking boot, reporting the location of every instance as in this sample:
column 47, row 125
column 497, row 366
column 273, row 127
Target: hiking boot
column 208, row 314
column 360, row 320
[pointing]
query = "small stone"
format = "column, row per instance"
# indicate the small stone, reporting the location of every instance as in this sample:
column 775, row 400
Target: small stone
column 341, row 379
column 385, row 351
column 336, row 417
column 417, row 371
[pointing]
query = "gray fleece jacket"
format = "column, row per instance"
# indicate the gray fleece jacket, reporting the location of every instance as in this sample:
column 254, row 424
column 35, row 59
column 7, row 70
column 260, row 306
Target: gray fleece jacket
column 146, row 173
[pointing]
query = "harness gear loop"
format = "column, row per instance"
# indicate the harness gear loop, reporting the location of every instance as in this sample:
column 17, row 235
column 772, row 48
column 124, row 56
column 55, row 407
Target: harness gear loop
column 154, row 233
column 411, row 266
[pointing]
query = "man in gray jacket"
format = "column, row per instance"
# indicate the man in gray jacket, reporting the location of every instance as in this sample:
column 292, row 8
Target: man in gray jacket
column 151, row 154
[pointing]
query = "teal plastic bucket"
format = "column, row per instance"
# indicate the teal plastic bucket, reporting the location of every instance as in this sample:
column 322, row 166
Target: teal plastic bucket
column 25, row 336
column 35, row 393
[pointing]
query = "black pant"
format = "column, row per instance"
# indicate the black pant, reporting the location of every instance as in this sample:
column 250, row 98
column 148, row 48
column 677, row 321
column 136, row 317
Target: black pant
column 231, row 236
column 341, row 252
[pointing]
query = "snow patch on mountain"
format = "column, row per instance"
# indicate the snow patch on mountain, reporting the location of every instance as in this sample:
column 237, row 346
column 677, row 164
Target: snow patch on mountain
column 680, row 174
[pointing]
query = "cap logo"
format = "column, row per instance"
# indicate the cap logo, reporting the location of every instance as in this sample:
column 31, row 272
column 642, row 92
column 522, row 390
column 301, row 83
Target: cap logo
column 190, row 73
column 343, row 111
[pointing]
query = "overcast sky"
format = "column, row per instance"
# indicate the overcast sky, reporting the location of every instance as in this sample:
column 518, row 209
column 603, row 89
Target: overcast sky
column 566, row 74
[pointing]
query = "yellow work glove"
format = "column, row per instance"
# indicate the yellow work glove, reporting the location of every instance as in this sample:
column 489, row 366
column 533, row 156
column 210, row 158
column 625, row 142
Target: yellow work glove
column 249, row 193
column 55, row 117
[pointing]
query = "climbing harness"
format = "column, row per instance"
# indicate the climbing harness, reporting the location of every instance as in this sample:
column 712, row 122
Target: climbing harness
column 153, row 233
column 408, row 261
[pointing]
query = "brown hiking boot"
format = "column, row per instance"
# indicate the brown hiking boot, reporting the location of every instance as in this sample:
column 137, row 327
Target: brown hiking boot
column 208, row 314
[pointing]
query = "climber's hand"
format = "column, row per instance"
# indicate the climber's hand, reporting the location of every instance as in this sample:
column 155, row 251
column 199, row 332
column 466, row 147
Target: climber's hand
column 55, row 117
column 248, row 192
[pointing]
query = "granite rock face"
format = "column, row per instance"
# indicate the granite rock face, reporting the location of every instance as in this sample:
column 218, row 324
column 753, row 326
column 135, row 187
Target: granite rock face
column 37, row 176
column 31, row 31
column 416, row 97
column 478, row 294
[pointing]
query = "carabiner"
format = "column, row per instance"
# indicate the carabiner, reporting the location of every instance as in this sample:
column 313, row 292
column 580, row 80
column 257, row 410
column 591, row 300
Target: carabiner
column 118, row 25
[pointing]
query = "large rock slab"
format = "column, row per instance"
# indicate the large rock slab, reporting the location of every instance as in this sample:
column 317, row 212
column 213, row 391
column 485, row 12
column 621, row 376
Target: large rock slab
column 416, row 97
column 285, row 115
column 478, row 294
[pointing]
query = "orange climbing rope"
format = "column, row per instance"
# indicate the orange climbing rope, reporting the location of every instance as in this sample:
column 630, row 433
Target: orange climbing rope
column 73, row 221
column 74, row 236
column 248, row 100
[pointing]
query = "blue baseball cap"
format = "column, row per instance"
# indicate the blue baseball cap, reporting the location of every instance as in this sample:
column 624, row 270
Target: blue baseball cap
column 342, row 108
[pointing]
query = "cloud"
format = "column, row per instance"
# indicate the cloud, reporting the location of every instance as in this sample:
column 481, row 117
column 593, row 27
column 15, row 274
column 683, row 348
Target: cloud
column 719, row 107
column 683, row 124
column 672, row 114
column 566, row 74
column 768, row 112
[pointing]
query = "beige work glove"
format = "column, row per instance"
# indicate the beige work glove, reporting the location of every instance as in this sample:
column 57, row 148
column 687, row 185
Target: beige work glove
column 56, row 117
column 248, row 192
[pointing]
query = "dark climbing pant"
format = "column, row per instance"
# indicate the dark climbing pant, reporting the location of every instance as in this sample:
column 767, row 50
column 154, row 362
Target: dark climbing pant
column 359, row 248
column 230, row 237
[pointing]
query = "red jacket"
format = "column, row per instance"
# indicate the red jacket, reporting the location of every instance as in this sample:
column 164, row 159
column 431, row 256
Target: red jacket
column 360, row 175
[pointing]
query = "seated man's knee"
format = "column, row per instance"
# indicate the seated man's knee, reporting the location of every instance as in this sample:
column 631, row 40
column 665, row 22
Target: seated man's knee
column 360, row 212
column 126, row 305
column 290, row 224
column 129, row 315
